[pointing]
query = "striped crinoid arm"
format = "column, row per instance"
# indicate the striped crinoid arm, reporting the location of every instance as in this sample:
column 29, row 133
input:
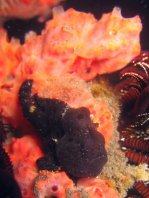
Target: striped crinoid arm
column 136, row 157
column 140, row 125
column 142, row 189
column 8, row 185
column 6, row 128
column 135, row 129
column 135, row 73
column 134, row 78
column 126, row 84
column 142, row 62
column 142, row 103
column 2, row 131
column 130, row 97
column 135, row 143
column 5, row 162
column 129, row 90
column 138, row 68
column 127, row 133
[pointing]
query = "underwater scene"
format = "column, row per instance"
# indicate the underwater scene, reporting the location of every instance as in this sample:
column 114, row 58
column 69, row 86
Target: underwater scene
column 74, row 106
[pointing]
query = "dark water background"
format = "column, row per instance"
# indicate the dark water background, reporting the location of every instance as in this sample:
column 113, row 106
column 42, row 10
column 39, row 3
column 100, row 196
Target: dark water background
column 130, row 8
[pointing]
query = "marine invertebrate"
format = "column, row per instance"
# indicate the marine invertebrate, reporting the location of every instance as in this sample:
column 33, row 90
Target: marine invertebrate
column 69, row 50
column 141, row 124
column 23, row 153
column 66, row 132
column 58, row 184
column 82, row 58
column 2, row 131
column 133, row 127
column 5, row 163
column 133, row 85
column 25, row 9
column 9, row 59
column 81, row 52
column 137, row 143
column 8, row 184
column 134, row 140
column 52, row 184
column 141, row 105
column 136, row 157
column 133, row 88
column 142, row 189
column 97, row 187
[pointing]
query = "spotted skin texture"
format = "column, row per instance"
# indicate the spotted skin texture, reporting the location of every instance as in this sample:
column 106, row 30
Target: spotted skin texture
column 71, row 140
column 81, row 149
